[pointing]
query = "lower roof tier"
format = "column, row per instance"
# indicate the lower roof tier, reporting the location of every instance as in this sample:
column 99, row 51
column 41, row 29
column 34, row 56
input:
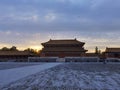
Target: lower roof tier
column 63, row 50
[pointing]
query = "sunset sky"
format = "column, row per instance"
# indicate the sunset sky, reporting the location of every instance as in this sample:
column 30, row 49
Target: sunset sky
column 28, row 23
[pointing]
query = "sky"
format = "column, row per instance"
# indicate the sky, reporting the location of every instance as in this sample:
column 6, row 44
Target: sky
column 28, row 23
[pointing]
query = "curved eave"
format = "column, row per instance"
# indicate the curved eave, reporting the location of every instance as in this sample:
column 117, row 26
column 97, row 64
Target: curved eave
column 86, row 50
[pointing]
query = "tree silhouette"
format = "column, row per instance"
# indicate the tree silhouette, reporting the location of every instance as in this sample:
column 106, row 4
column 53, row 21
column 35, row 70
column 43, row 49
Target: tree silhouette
column 96, row 50
column 5, row 49
column 13, row 48
column 31, row 50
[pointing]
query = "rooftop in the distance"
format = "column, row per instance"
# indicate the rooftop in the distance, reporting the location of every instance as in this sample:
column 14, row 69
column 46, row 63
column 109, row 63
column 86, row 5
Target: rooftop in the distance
column 112, row 50
column 14, row 53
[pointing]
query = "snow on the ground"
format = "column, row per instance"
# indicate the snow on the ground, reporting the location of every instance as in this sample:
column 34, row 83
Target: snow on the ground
column 72, row 76
column 10, row 75
column 10, row 65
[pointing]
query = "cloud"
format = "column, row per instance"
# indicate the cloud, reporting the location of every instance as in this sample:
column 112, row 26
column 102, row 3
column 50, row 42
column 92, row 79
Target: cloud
column 81, row 16
column 50, row 17
column 96, row 21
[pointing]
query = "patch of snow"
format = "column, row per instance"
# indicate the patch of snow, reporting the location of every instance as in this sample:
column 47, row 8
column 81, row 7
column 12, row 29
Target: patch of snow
column 11, row 75
column 72, row 76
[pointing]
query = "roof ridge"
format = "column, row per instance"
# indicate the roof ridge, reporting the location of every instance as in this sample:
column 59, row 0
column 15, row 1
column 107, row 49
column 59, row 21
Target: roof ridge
column 61, row 39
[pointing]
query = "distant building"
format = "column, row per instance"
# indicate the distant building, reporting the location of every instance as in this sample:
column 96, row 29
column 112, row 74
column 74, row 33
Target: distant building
column 63, row 48
column 112, row 52
column 14, row 55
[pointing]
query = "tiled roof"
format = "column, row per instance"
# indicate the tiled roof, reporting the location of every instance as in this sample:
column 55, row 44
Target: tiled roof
column 14, row 53
column 69, row 41
column 69, row 49
column 112, row 50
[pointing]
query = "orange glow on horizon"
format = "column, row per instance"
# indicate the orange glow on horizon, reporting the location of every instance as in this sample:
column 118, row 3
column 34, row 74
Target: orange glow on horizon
column 36, row 47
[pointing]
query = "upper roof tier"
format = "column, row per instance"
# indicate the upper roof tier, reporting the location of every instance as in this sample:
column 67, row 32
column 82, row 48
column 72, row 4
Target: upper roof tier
column 63, row 42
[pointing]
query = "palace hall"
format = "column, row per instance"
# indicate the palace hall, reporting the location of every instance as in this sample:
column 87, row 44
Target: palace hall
column 63, row 48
